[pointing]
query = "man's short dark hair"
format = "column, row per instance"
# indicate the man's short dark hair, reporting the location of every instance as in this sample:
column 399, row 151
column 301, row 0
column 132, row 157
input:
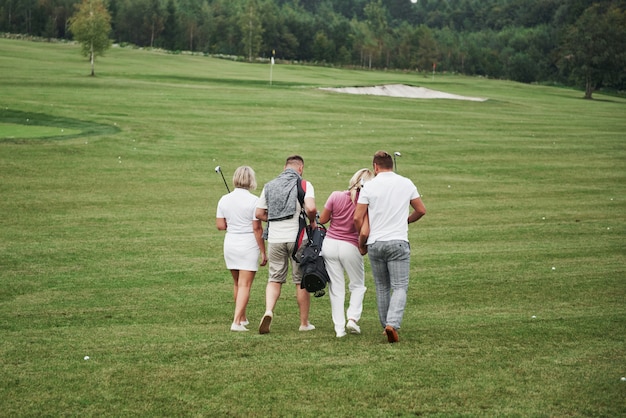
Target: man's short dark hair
column 383, row 159
column 294, row 159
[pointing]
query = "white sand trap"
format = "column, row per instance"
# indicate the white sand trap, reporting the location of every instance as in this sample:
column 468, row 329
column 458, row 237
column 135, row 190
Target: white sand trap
column 402, row 90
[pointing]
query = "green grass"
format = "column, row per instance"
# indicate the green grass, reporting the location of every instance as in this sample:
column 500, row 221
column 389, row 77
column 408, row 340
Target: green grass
column 108, row 247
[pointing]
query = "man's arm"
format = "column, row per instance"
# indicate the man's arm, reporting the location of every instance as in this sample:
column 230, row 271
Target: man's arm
column 419, row 210
column 257, row 228
column 362, row 225
column 310, row 209
column 359, row 215
column 261, row 214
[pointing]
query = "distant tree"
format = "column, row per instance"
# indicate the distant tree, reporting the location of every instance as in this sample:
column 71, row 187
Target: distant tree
column 406, row 46
column 427, row 50
column 323, row 48
column 91, row 25
column 154, row 20
column 252, row 30
column 595, row 47
column 188, row 13
column 378, row 24
column 170, row 26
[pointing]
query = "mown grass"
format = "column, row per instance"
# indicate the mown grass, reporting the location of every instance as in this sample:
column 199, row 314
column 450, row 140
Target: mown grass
column 108, row 247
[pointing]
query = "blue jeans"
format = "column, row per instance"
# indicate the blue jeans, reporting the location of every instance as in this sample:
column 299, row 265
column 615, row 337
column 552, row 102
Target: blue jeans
column 390, row 261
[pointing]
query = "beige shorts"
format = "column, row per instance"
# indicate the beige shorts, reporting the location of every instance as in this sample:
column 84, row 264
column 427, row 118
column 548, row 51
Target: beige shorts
column 279, row 258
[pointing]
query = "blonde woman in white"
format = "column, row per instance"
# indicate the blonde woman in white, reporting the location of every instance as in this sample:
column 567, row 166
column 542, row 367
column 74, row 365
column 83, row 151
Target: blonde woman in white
column 341, row 253
column 243, row 242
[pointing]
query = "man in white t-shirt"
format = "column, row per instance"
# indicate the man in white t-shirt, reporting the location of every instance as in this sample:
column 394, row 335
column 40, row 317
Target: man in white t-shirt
column 279, row 206
column 386, row 200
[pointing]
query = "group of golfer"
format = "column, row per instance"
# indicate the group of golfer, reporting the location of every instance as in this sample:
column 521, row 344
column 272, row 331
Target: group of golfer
column 370, row 217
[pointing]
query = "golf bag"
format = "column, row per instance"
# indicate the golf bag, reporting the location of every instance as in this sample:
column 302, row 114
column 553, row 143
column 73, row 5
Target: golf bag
column 312, row 267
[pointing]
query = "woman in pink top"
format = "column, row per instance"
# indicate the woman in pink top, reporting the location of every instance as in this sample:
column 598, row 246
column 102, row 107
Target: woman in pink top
column 341, row 253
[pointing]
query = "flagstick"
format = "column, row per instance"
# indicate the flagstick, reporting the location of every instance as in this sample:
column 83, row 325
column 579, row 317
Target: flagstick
column 271, row 68
column 272, row 65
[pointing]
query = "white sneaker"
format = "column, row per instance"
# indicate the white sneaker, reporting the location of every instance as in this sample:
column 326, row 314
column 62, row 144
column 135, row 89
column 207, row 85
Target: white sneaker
column 341, row 334
column 308, row 327
column 238, row 328
column 352, row 327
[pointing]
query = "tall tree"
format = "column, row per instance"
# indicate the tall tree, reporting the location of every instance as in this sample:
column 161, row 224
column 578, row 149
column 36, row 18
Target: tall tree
column 427, row 50
column 595, row 47
column 251, row 29
column 378, row 23
column 170, row 27
column 91, row 25
column 154, row 20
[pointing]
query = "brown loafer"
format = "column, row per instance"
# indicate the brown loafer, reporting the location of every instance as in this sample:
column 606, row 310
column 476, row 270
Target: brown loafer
column 392, row 334
column 264, row 326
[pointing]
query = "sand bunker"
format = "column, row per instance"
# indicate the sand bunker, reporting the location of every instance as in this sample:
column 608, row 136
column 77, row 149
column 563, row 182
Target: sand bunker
column 402, row 90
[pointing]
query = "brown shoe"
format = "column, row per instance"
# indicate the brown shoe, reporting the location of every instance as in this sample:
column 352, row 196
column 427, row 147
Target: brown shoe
column 392, row 334
column 264, row 326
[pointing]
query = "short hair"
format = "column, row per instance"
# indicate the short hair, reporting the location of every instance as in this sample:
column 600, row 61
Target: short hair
column 294, row 160
column 244, row 178
column 383, row 159
column 358, row 180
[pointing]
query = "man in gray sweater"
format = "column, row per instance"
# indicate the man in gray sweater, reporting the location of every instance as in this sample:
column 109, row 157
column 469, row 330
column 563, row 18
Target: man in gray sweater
column 279, row 206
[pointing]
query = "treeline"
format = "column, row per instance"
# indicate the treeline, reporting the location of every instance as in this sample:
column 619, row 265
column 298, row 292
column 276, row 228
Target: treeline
column 522, row 40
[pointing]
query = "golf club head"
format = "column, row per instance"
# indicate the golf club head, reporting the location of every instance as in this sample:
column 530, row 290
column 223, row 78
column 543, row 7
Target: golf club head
column 397, row 154
column 218, row 169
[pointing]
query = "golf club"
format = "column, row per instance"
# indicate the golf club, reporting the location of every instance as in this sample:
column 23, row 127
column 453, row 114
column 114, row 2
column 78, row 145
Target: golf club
column 395, row 166
column 218, row 169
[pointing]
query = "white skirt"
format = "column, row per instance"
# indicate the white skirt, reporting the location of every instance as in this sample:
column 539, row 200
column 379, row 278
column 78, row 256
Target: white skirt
column 241, row 252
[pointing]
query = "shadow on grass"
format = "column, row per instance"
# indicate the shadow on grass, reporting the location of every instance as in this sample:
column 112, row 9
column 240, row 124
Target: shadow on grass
column 221, row 81
column 86, row 128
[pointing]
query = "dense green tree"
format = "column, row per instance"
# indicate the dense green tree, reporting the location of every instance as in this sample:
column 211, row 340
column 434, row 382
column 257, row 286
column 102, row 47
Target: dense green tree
column 170, row 27
column 406, row 46
column 377, row 20
column 154, row 20
column 91, row 26
column 301, row 25
column 523, row 40
column 323, row 48
column 251, row 29
column 595, row 48
column 225, row 32
column 427, row 52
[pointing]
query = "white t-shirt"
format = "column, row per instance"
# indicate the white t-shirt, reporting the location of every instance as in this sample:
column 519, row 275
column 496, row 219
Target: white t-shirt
column 238, row 209
column 388, row 197
column 285, row 230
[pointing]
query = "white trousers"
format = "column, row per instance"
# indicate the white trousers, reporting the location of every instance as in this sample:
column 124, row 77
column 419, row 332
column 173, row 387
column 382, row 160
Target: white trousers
column 340, row 256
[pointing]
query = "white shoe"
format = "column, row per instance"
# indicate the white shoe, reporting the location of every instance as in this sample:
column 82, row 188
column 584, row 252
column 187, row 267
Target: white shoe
column 341, row 334
column 238, row 328
column 308, row 327
column 245, row 322
column 352, row 327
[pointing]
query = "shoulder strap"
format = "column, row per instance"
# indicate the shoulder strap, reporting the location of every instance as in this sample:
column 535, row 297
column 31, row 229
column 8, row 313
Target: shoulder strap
column 301, row 219
column 301, row 192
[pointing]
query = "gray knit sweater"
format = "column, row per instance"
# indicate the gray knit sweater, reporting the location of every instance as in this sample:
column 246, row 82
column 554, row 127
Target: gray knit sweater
column 281, row 195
